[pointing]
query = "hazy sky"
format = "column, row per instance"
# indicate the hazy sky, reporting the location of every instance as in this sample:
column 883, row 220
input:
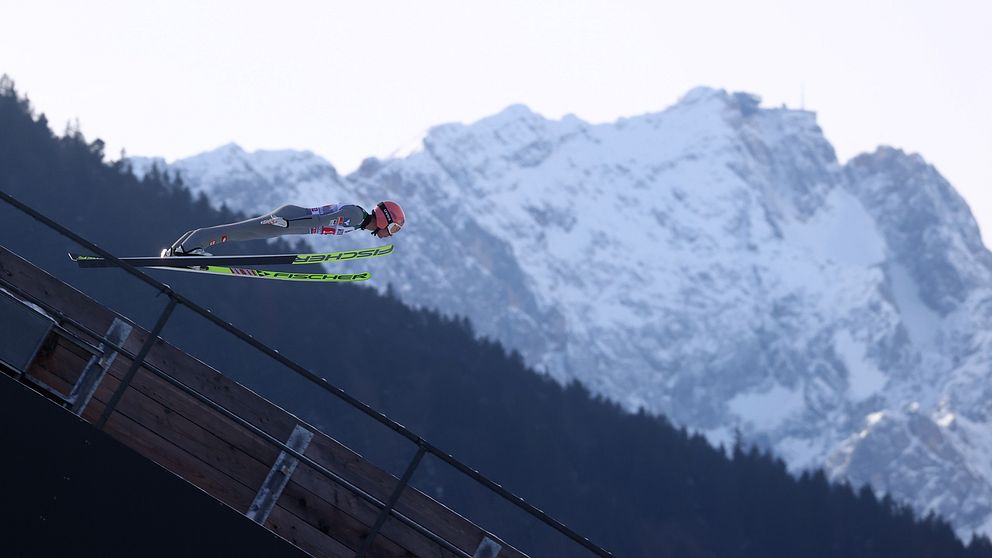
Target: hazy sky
column 352, row 79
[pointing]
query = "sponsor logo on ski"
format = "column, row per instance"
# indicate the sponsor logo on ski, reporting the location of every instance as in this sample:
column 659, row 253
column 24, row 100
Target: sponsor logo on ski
column 343, row 256
column 315, row 276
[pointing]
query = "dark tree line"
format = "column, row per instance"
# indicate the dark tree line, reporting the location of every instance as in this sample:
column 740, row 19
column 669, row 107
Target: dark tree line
column 631, row 482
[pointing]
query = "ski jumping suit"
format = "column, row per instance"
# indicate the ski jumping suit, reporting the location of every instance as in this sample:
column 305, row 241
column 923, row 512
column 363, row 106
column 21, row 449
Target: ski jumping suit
column 289, row 219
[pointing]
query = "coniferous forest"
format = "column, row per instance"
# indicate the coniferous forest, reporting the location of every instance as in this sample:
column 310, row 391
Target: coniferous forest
column 633, row 483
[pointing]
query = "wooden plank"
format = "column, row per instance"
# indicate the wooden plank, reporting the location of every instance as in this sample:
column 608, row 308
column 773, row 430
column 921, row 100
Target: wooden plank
column 181, row 404
column 179, row 462
column 414, row 504
column 323, row 449
column 199, row 442
column 333, row 522
column 228, row 393
column 157, row 410
column 306, row 536
column 161, row 406
column 185, row 405
column 332, row 499
column 72, row 347
column 279, row 423
column 48, row 378
column 58, row 367
column 159, row 420
column 208, row 479
column 329, row 453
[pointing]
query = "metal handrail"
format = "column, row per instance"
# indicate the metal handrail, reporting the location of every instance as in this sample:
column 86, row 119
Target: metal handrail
column 177, row 298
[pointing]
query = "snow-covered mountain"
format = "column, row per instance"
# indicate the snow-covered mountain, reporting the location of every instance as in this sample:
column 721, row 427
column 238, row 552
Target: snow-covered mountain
column 713, row 262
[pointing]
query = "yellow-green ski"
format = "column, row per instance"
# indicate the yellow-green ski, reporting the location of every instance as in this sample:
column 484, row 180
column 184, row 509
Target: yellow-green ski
column 277, row 275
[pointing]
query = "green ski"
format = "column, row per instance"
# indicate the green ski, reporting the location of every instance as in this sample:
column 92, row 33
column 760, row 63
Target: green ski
column 277, row 275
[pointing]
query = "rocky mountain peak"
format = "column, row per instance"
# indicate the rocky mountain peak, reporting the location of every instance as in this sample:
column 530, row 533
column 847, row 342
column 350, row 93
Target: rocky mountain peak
column 712, row 262
column 928, row 226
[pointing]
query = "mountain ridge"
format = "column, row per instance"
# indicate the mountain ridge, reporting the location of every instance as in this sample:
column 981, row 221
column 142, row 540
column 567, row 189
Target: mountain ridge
column 716, row 263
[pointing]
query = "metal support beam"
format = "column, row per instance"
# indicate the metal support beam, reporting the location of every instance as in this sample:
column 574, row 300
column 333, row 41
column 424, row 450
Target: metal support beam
column 136, row 364
column 488, row 548
column 97, row 366
column 278, row 477
column 384, row 514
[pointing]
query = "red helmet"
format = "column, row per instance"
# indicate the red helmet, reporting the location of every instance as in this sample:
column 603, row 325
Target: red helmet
column 388, row 216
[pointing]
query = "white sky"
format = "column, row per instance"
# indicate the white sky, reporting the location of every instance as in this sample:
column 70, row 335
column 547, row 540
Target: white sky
column 352, row 79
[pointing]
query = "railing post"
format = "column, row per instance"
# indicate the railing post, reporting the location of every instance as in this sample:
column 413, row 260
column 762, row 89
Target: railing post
column 136, row 363
column 393, row 498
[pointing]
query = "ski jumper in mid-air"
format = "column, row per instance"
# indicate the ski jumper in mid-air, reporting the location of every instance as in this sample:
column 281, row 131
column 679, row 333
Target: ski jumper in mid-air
column 386, row 219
